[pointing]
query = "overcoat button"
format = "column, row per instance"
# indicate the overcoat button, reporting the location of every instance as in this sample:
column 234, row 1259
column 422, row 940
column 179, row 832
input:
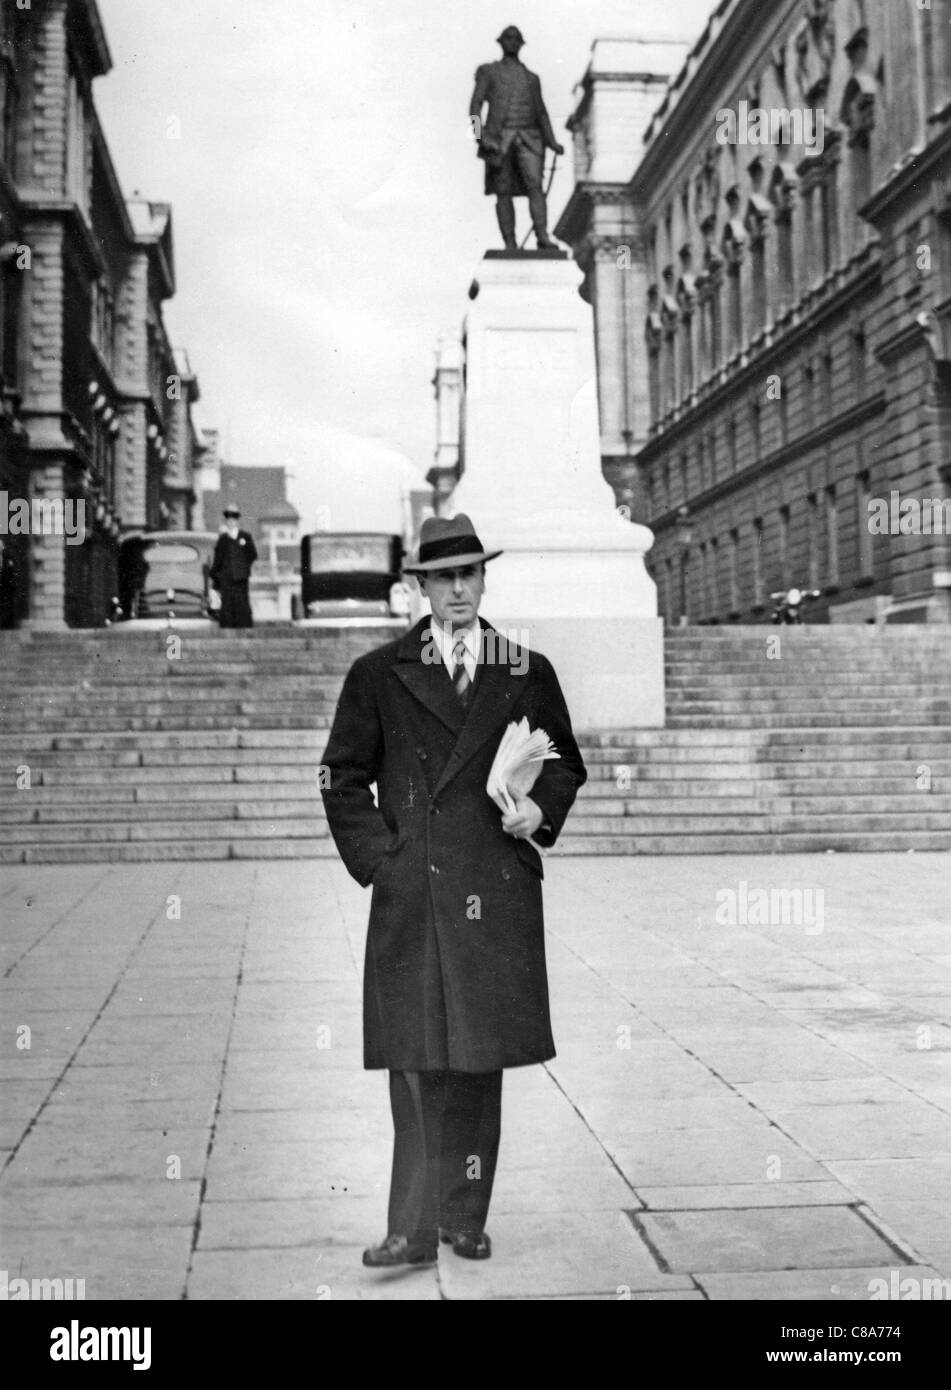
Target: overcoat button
column 433, row 869
column 506, row 874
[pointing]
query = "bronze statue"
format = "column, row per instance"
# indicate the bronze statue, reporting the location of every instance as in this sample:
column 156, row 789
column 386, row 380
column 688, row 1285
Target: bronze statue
column 513, row 138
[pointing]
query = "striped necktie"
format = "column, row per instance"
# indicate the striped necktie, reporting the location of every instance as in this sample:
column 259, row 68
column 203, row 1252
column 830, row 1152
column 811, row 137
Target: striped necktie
column 460, row 676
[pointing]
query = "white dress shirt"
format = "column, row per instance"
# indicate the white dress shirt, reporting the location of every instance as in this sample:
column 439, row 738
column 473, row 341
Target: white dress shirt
column 446, row 640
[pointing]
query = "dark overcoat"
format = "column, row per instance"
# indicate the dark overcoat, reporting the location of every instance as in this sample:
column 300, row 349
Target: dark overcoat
column 233, row 559
column 455, row 973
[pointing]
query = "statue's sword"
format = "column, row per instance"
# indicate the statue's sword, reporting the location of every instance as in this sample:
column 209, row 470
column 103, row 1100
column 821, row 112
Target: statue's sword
column 551, row 180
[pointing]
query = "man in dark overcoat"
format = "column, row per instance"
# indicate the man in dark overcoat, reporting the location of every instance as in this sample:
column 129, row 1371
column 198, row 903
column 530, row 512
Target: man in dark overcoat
column 455, row 986
column 513, row 138
column 230, row 573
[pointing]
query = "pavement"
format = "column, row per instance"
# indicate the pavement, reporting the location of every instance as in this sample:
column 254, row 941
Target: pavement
column 751, row 1099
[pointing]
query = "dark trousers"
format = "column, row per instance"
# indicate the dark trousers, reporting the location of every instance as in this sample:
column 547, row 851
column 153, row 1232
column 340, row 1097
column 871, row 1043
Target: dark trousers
column 235, row 604
column 446, row 1127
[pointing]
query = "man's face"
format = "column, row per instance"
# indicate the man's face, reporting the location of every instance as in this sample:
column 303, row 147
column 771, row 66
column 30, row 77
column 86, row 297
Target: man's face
column 454, row 595
column 511, row 44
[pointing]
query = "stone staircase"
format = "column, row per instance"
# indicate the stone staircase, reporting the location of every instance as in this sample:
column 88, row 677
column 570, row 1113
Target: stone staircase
column 114, row 750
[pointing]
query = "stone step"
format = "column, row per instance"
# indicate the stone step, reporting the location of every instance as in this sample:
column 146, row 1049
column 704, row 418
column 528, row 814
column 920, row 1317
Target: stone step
column 789, row 707
column 171, row 723
column 242, row 808
column 873, row 719
column 135, row 852
column 190, row 687
column 125, row 852
column 111, row 831
column 258, row 804
column 811, row 842
column 214, row 738
column 44, row 776
column 666, row 822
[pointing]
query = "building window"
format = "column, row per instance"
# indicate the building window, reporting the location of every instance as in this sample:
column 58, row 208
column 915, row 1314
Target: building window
column 713, row 607
column 712, row 457
column 735, row 296
column 758, row 562
column 832, row 538
column 703, row 602
column 809, row 396
column 10, row 101
column 732, row 572
column 784, row 528
column 829, row 193
column 828, row 399
column 812, row 540
column 756, row 429
column 865, row 547
column 77, row 150
column 731, row 444
column 782, row 406
column 859, row 362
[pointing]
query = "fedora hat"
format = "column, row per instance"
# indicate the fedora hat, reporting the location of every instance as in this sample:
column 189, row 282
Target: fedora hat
column 446, row 543
column 511, row 29
column 231, row 510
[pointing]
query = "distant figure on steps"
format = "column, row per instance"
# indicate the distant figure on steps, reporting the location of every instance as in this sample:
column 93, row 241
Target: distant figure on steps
column 235, row 553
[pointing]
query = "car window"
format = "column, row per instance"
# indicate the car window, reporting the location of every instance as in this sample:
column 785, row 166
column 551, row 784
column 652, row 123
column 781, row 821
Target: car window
column 172, row 555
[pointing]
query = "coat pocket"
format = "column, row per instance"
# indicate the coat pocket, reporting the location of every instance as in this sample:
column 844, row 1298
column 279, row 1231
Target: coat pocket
column 530, row 857
column 388, row 855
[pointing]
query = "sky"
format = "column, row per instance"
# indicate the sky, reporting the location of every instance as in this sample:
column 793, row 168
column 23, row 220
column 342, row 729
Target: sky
column 327, row 207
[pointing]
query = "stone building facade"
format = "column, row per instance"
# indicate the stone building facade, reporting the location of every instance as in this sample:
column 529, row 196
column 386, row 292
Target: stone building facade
column 770, row 268
column 95, row 406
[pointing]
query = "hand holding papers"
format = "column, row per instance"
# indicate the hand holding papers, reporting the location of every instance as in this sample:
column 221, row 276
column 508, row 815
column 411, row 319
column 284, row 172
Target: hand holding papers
column 516, row 766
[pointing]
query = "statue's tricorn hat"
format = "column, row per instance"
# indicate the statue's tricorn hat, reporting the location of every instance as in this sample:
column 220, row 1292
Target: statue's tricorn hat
column 511, row 29
column 447, row 543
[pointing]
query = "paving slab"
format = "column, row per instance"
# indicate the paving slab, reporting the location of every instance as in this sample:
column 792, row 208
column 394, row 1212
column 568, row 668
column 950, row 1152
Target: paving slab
column 810, row 1285
column 328, row 1272
column 907, row 1129
column 281, row 1222
column 534, row 1257
column 80, row 1204
column 712, row 1156
column 123, row 1263
column 763, row 1238
column 745, row 1195
column 886, row 1179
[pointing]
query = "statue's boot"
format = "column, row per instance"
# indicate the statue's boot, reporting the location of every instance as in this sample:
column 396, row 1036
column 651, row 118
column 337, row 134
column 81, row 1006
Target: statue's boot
column 505, row 210
column 539, row 211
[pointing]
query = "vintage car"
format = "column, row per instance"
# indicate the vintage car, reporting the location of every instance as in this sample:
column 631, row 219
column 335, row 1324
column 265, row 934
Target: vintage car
column 350, row 574
column 164, row 574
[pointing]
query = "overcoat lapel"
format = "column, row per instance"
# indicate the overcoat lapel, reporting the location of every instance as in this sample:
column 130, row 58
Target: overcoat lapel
column 495, row 693
column 428, row 681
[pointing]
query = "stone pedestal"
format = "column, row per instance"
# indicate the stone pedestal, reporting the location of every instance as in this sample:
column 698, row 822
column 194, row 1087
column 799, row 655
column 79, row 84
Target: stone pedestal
column 572, row 581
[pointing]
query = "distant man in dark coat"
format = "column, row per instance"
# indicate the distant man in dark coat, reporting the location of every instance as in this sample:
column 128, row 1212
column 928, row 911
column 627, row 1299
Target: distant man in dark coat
column 230, row 573
column 455, row 985
column 513, row 138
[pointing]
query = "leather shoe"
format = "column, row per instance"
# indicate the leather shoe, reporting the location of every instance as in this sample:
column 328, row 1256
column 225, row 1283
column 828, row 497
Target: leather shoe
column 471, row 1245
column 399, row 1250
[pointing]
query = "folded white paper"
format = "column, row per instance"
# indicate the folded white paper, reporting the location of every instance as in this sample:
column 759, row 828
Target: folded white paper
column 517, row 765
